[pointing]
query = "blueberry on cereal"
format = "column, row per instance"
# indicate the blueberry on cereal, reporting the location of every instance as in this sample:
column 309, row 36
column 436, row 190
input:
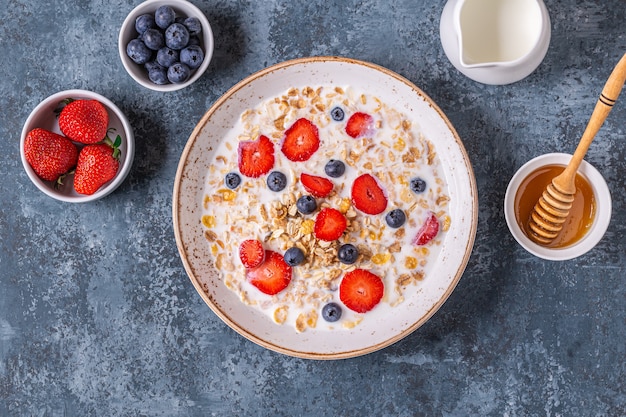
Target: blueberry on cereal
column 306, row 204
column 337, row 114
column 418, row 185
column 276, row 181
column 294, row 256
column 335, row 168
column 331, row 312
column 347, row 254
column 232, row 180
column 395, row 218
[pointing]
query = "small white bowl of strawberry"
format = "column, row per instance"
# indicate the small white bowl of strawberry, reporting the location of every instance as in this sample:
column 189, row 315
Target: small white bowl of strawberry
column 77, row 146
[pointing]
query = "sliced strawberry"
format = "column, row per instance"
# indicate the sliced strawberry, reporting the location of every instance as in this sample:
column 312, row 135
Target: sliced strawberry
column 256, row 157
column 360, row 290
column 360, row 124
column 251, row 253
column 272, row 276
column 301, row 140
column 317, row 186
column 329, row 224
column 368, row 196
column 428, row 231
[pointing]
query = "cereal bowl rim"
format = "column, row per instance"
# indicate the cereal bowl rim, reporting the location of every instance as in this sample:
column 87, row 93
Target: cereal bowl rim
column 128, row 142
column 127, row 32
column 255, row 325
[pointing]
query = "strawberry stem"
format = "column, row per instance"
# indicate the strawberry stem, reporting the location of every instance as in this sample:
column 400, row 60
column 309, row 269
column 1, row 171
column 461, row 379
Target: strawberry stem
column 62, row 104
column 59, row 182
column 113, row 144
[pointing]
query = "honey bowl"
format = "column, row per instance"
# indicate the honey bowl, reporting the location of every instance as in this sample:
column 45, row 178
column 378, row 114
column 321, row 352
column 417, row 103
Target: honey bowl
column 589, row 217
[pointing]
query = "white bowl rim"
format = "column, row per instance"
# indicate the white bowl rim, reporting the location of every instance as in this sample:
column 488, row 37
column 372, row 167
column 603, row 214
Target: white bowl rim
column 124, row 168
column 470, row 226
column 129, row 22
column 603, row 209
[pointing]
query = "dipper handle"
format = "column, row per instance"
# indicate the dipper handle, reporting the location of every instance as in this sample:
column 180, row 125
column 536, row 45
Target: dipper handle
column 608, row 97
column 552, row 209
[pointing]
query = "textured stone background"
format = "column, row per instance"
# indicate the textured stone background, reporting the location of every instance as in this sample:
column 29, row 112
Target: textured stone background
column 98, row 318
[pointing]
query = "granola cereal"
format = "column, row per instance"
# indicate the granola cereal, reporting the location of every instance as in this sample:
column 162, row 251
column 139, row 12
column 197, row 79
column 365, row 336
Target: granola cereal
column 394, row 151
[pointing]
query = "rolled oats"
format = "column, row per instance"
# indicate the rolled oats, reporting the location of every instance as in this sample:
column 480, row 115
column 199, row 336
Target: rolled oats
column 394, row 156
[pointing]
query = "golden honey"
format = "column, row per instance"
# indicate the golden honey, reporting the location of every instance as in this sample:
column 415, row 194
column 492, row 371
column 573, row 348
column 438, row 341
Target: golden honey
column 581, row 215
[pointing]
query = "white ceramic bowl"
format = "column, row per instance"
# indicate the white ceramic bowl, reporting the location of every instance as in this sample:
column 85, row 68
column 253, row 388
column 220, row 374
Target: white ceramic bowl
column 128, row 32
column 601, row 220
column 43, row 116
column 377, row 331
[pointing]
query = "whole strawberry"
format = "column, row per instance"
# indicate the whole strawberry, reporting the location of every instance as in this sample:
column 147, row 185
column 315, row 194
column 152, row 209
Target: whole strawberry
column 49, row 154
column 84, row 121
column 97, row 165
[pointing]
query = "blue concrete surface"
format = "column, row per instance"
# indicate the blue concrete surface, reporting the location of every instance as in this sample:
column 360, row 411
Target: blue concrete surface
column 98, row 318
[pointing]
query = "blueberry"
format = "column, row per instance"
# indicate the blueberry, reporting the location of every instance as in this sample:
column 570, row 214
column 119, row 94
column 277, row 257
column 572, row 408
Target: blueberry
column 138, row 51
column 192, row 56
column 144, row 22
column 395, row 218
column 232, row 180
column 337, row 114
column 167, row 57
column 193, row 25
column 418, row 185
column 178, row 73
column 164, row 16
column 151, row 64
column 158, row 75
column 193, row 40
column 331, row 312
column 176, row 36
column 294, row 256
column 335, row 168
column 347, row 254
column 276, row 181
column 306, row 204
column 153, row 38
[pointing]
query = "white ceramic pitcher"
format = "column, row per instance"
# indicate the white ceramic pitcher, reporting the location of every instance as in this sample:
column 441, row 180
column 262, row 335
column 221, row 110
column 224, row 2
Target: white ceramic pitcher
column 495, row 41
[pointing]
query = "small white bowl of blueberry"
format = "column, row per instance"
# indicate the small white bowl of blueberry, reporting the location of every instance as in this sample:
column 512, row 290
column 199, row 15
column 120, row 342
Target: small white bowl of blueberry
column 166, row 45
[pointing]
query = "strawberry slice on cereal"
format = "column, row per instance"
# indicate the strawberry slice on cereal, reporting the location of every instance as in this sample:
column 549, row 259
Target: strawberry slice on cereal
column 367, row 195
column 317, row 186
column 329, row 224
column 251, row 253
column 272, row 276
column 256, row 157
column 301, row 140
column 360, row 124
column 428, row 231
column 361, row 290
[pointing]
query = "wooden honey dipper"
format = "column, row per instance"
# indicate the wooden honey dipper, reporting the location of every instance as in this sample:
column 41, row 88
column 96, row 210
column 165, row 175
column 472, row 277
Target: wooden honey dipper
column 552, row 209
